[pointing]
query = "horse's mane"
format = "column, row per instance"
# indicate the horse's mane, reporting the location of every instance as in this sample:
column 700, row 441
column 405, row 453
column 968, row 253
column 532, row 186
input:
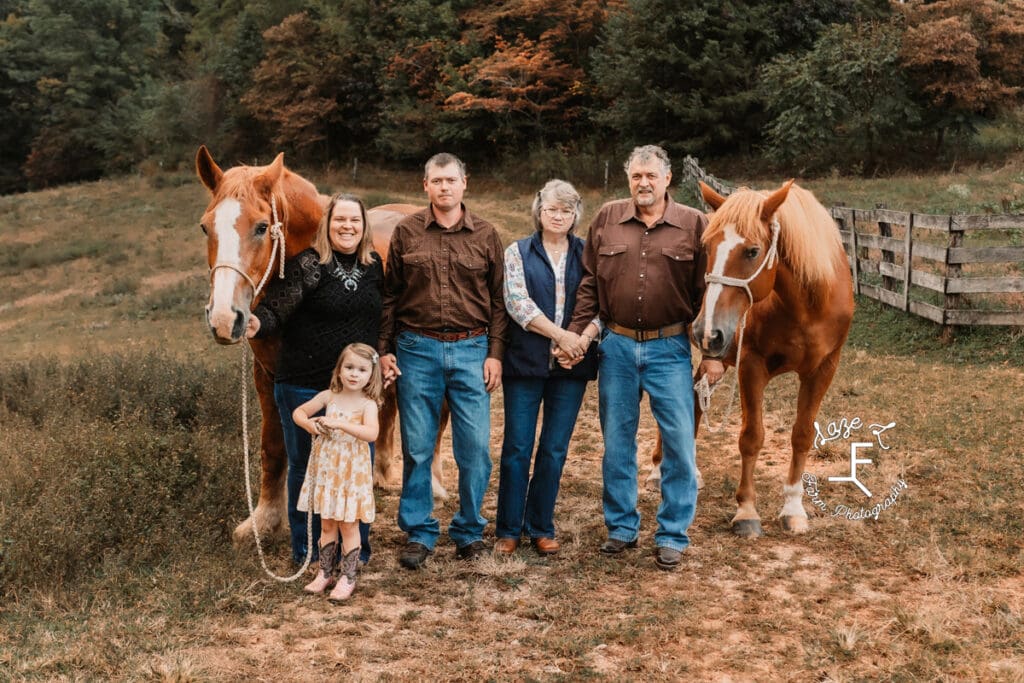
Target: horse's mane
column 809, row 242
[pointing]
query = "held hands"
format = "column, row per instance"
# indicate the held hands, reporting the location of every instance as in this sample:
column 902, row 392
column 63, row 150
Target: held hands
column 571, row 348
column 570, row 343
column 389, row 368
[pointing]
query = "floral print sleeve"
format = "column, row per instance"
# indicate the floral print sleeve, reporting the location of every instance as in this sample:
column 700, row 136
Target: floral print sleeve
column 520, row 306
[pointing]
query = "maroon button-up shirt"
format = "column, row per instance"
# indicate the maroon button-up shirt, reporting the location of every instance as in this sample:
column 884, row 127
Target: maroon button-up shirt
column 639, row 277
column 444, row 279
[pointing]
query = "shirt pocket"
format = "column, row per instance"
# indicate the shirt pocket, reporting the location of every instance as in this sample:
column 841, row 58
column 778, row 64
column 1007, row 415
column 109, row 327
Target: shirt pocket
column 678, row 254
column 416, row 260
column 610, row 260
column 678, row 261
column 471, row 263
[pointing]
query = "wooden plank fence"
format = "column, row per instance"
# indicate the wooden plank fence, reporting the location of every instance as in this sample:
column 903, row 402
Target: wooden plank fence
column 929, row 269
column 924, row 263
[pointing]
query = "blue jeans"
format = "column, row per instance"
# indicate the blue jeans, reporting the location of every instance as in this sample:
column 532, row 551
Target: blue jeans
column 528, row 503
column 433, row 370
column 660, row 367
column 297, row 444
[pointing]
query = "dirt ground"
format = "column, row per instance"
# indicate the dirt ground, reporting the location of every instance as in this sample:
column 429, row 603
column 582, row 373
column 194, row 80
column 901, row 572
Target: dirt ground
column 850, row 600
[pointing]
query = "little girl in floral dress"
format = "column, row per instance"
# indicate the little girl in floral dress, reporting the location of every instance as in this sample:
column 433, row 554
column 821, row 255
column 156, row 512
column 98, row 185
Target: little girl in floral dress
column 339, row 481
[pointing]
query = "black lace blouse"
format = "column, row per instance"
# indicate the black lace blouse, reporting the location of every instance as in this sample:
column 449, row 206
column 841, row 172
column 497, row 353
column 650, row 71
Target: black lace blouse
column 318, row 309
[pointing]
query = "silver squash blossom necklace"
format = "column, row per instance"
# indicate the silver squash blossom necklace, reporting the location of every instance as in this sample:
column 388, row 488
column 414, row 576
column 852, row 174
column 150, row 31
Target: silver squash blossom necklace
column 349, row 276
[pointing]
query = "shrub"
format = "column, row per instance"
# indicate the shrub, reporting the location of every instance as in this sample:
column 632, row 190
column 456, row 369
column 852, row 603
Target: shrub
column 116, row 462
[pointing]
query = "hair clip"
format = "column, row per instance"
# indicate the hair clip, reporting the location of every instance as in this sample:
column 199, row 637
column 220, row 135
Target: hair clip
column 376, row 357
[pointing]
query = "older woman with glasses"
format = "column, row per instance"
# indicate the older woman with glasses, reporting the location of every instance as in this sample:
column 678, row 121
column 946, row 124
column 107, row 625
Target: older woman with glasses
column 542, row 273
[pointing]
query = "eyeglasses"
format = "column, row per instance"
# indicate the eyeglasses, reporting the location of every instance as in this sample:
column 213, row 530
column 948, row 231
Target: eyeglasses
column 552, row 211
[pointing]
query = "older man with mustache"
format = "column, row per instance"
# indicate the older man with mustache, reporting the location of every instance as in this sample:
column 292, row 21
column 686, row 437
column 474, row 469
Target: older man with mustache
column 644, row 276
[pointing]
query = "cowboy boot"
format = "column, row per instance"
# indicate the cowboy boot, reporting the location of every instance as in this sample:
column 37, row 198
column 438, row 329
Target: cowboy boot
column 325, row 577
column 347, row 582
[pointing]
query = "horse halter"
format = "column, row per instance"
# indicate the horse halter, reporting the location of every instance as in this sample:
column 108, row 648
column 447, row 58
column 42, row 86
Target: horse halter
column 277, row 237
column 768, row 262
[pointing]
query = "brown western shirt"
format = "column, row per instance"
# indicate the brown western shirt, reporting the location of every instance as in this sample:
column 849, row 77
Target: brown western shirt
column 444, row 279
column 639, row 277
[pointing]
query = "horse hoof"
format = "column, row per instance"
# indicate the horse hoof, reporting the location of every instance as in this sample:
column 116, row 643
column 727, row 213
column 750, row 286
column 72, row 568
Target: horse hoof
column 440, row 492
column 241, row 537
column 747, row 528
column 794, row 525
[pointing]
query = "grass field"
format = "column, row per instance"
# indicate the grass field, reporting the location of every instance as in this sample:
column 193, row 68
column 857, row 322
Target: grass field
column 122, row 481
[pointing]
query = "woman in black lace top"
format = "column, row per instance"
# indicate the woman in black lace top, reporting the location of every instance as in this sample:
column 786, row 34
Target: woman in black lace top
column 330, row 297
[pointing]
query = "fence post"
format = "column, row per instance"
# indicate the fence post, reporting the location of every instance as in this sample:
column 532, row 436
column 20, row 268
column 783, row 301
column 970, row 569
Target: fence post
column 854, row 251
column 606, row 176
column 908, row 261
column 953, row 271
column 888, row 256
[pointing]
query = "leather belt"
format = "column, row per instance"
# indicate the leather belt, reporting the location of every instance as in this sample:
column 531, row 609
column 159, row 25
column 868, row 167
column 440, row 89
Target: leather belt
column 647, row 335
column 449, row 335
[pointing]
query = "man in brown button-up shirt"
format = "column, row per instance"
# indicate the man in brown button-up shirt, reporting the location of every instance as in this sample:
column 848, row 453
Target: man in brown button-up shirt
column 443, row 332
column 644, row 275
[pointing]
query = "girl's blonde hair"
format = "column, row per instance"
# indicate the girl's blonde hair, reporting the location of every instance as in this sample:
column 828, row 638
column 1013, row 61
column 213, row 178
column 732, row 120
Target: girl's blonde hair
column 374, row 389
column 322, row 241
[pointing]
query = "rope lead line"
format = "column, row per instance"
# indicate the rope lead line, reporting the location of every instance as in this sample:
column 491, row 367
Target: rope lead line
column 248, row 486
column 704, row 390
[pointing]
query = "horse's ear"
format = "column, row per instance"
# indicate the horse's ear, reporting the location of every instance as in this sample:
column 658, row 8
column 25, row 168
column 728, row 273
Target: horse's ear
column 774, row 201
column 207, row 169
column 711, row 198
column 271, row 174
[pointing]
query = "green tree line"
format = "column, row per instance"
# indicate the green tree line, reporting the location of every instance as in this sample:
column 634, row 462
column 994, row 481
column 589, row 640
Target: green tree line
column 94, row 87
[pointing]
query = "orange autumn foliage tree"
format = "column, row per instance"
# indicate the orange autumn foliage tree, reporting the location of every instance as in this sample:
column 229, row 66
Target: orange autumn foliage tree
column 524, row 86
column 528, row 80
column 966, row 56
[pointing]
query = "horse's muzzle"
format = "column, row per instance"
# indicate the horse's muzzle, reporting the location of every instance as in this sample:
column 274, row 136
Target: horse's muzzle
column 713, row 344
column 227, row 329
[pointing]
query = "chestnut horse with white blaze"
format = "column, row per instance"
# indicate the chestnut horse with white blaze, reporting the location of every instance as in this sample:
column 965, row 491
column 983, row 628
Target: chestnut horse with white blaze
column 245, row 204
column 779, row 282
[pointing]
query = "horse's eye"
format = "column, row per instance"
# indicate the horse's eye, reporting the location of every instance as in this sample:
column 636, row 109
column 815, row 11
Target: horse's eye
column 260, row 229
column 752, row 252
column 203, row 228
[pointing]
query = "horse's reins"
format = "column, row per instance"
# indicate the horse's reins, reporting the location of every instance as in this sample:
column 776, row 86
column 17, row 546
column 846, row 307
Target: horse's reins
column 703, row 388
column 277, row 236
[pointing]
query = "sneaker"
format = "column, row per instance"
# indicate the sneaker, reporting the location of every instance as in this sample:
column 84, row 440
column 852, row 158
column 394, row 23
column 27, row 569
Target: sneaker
column 667, row 558
column 413, row 555
column 614, row 546
column 470, row 551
